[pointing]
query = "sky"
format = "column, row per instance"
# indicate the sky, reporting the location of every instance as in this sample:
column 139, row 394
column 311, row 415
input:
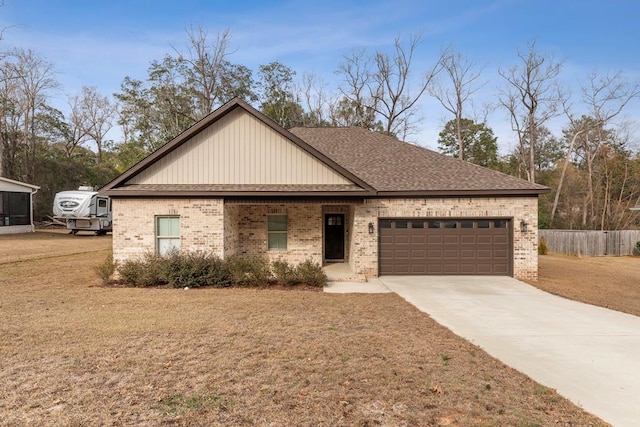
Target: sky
column 98, row 43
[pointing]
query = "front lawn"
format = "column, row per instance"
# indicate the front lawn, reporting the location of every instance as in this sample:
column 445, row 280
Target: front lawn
column 74, row 353
column 611, row 282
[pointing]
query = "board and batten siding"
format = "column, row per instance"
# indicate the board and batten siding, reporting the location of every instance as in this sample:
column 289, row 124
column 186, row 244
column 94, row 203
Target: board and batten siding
column 238, row 149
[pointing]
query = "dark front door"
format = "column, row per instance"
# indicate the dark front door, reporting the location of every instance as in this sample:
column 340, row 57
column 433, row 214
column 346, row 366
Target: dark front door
column 334, row 236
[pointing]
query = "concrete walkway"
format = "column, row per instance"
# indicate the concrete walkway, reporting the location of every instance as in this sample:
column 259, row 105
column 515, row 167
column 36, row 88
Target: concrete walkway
column 590, row 355
column 371, row 286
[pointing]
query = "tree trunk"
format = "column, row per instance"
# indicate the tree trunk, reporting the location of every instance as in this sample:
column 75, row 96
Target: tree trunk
column 562, row 175
column 459, row 136
column 532, row 147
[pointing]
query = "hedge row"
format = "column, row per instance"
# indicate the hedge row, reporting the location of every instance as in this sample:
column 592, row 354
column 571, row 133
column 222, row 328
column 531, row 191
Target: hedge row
column 197, row 269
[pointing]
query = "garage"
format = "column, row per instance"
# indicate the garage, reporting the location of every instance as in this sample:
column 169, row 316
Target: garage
column 445, row 246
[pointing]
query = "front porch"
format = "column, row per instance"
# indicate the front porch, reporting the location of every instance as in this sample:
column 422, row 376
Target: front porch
column 291, row 230
column 342, row 272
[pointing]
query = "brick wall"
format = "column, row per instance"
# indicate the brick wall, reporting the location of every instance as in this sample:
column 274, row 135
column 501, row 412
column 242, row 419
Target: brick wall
column 201, row 225
column 231, row 230
column 210, row 225
column 246, row 232
column 364, row 250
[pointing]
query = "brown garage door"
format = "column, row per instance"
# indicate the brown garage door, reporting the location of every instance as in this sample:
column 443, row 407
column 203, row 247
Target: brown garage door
column 445, row 246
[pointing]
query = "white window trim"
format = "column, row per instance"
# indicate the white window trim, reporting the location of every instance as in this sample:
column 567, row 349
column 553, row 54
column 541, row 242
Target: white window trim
column 159, row 238
column 279, row 232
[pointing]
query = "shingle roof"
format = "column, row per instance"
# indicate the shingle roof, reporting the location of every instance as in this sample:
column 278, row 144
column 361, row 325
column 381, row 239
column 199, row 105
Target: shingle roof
column 389, row 165
column 374, row 163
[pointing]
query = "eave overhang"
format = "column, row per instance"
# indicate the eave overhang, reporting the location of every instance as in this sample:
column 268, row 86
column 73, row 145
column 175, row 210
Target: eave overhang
column 464, row 193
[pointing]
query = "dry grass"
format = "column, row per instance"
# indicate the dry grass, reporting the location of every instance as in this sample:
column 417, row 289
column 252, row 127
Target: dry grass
column 50, row 243
column 611, row 282
column 74, row 353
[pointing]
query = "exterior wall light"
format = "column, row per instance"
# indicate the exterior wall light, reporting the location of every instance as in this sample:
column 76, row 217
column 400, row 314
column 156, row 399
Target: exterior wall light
column 524, row 226
column 371, row 228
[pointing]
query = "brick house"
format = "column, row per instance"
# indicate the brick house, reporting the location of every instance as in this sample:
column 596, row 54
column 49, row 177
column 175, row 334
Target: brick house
column 236, row 183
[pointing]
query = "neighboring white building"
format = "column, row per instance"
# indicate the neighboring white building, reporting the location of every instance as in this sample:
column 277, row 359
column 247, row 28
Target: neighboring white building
column 16, row 206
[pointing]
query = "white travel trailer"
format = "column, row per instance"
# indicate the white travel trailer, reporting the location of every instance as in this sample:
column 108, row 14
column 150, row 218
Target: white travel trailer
column 83, row 210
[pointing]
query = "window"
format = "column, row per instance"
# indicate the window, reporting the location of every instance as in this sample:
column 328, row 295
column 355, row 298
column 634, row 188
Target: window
column 417, row 224
column 385, row 223
column 500, row 224
column 334, row 220
column 15, row 208
column 434, row 224
column 451, row 224
column 401, row 224
column 277, row 231
column 167, row 234
column 483, row 224
column 466, row 224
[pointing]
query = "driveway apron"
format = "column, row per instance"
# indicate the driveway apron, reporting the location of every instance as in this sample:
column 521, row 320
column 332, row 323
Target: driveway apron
column 589, row 354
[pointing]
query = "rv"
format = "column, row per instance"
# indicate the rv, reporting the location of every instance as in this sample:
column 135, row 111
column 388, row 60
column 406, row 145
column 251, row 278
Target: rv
column 83, row 210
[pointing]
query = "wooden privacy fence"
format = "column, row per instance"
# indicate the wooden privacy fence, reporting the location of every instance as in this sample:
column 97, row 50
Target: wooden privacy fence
column 590, row 243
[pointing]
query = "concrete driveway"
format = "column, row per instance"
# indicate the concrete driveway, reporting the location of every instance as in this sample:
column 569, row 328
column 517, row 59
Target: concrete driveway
column 589, row 354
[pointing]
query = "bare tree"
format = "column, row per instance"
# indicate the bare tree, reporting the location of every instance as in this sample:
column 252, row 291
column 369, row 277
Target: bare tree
column 10, row 122
column 100, row 113
column 381, row 84
column 463, row 82
column 604, row 97
column 357, row 107
column 31, row 78
column 206, row 63
column 5, row 99
column 77, row 126
column 531, row 99
column 394, row 99
column 315, row 98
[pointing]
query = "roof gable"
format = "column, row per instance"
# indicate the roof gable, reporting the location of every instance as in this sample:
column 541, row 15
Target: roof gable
column 236, row 149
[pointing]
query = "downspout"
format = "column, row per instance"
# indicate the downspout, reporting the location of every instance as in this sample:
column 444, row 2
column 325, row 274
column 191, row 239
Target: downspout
column 34, row 191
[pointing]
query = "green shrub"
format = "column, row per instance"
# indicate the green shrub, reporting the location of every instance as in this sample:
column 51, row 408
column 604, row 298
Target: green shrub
column 284, row 273
column 638, row 245
column 542, row 247
column 148, row 271
column 218, row 274
column 194, row 270
column 106, row 269
column 311, row 273
column 188, row 270
column 131, row 271
column 248, row 271
column 199, row 269
column 236, row 268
